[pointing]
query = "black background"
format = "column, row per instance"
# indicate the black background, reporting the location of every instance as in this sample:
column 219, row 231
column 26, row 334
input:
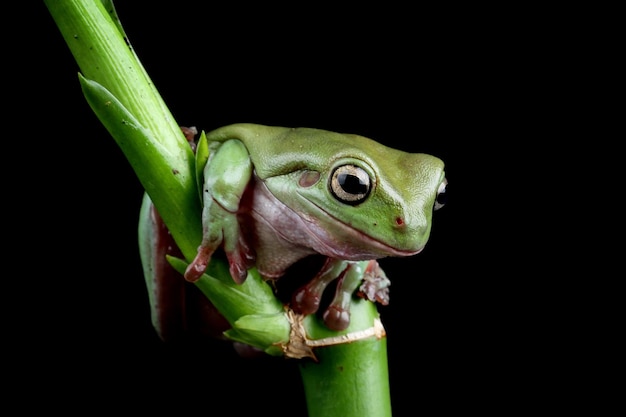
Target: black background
column 459, row 321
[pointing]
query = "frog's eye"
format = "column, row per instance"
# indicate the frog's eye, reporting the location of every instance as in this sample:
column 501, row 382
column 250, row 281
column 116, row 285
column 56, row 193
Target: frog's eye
column 350, row 184
column 441, row 198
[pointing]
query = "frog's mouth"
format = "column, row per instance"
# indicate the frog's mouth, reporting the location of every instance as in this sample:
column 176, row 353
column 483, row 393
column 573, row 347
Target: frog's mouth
column 346, row 242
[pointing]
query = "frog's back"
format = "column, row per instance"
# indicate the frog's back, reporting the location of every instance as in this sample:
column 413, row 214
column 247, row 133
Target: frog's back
column 276, row 150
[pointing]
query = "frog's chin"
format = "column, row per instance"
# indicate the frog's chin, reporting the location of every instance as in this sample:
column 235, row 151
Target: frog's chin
column 360, row 246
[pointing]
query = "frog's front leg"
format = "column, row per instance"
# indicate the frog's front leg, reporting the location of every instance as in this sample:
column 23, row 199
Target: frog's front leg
column 226, row 176
column 366, row 276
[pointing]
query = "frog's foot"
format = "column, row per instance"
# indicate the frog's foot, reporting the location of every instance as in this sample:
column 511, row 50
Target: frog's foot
column 240, row 255
column 306, row 300
column 337, row 315
column 375, row 286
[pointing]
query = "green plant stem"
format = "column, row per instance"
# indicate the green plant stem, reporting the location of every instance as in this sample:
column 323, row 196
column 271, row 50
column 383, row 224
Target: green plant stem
column 350, row 379
column 360, row 365
column 165, row 166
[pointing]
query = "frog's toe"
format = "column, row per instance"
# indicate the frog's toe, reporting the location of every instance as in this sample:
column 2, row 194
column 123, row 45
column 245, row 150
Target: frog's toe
column 238, row 271
column 240, row 259
column 336, row 317
column 197, row 267
column 305, row 301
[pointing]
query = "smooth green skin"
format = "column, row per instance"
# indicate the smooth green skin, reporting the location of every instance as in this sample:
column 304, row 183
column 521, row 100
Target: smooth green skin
column 398, row 210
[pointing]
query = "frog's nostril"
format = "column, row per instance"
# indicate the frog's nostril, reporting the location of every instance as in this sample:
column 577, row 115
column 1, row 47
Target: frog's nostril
column 399, row 221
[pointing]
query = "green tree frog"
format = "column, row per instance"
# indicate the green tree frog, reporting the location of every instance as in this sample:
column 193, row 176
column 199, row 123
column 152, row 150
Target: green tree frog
column 275, row 195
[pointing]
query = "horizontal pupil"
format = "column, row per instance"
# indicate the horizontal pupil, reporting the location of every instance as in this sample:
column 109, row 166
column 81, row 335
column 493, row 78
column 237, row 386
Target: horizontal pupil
column 352, row 184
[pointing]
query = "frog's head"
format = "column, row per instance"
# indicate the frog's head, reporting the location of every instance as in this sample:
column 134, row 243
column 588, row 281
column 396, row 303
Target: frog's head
column 369, row 200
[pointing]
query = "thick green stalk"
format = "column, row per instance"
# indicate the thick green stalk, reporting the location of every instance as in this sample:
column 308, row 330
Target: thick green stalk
column 349, row 379
column 109, row 65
